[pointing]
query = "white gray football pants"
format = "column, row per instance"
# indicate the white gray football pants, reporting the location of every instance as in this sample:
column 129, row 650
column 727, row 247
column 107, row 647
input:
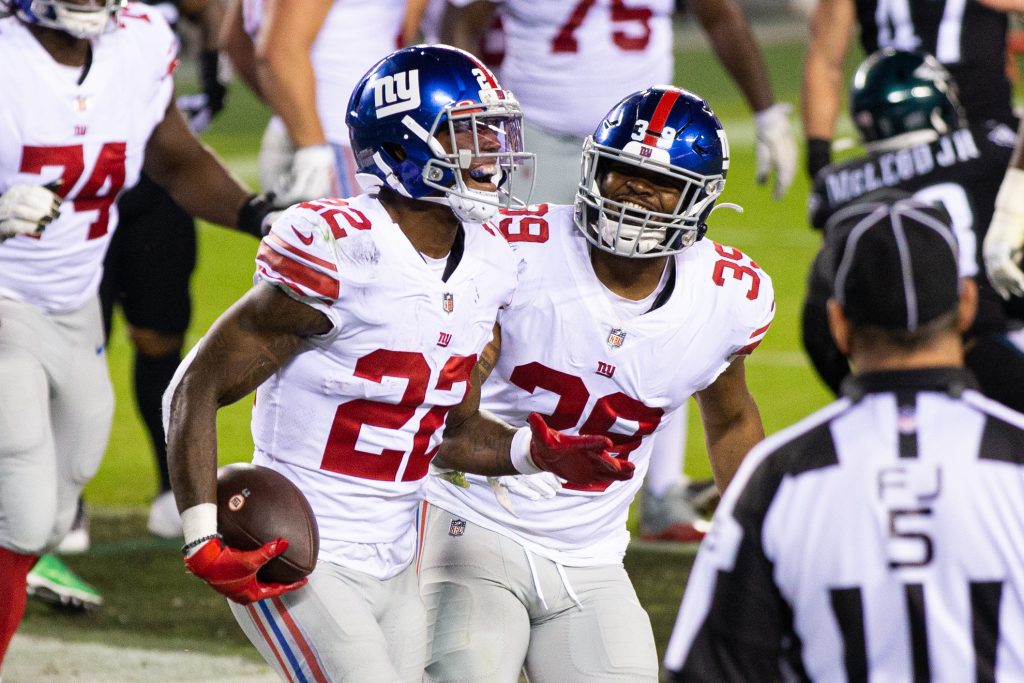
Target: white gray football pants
column 493, row 609
column 56, row 406
column 343, row 626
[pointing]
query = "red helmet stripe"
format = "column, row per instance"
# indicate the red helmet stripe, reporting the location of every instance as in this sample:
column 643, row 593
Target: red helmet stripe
column 486, row 72
column 661, row 113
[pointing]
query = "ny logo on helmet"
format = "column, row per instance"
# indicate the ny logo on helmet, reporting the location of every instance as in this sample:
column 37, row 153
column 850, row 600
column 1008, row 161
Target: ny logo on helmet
column 397, row 93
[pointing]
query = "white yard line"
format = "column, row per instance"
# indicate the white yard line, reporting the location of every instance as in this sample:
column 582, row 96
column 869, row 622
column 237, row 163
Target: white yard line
column 35, row 659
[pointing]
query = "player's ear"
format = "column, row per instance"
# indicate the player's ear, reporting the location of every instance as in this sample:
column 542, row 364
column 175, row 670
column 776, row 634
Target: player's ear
column 839, row 326
column 968, row 305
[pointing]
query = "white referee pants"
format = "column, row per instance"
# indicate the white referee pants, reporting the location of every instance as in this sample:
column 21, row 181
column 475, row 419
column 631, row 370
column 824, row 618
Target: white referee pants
column 494, row 609
column 343, row 625
column 56, row 406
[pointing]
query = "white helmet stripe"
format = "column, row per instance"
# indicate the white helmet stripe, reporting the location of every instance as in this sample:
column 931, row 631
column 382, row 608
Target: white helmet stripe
column 421, row 132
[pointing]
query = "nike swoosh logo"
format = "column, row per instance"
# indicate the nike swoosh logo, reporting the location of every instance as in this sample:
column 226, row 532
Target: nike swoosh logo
column 305, row 239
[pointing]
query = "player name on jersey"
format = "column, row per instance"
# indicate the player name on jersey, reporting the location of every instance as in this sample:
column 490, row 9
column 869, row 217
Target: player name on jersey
column 889, row 169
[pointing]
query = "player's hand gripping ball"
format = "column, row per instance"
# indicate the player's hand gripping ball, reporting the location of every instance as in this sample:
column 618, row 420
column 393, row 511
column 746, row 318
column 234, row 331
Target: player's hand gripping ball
column 256, row 505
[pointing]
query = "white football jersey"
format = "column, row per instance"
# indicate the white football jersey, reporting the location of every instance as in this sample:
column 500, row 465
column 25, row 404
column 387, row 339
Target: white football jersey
column 355, row 418
column 355, row 35
column 90, row 136
column 568, row 62
column 566, row 355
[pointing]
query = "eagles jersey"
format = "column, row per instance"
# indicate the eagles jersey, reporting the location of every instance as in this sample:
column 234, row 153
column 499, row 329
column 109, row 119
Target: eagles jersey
column 355, row 35
column 965, row 35
column 961, row 171
column 355, row 418
column 567, row 355
column 582, row 56
column 89, row 134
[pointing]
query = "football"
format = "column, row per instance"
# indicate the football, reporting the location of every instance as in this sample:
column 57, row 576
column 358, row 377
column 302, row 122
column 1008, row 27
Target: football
column 256, row 505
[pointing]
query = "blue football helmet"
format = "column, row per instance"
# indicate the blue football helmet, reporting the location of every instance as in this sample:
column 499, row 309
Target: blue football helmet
column 663, row 130
column 424, row 115
column 82, row 20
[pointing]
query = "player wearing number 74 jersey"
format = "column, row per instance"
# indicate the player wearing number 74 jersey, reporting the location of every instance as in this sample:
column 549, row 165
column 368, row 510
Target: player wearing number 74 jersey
column 87, row 104
column 362, row 333
column 623, row 313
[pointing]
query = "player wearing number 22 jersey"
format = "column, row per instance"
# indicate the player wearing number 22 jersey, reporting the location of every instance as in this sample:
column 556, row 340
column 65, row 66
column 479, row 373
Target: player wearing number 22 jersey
column 512, row 580
column 361, row 337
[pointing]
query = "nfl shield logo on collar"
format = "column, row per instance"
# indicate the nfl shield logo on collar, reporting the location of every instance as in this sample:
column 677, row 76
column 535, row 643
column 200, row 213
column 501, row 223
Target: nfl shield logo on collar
column 616, row 337
column 448, row 302
column 457, row 527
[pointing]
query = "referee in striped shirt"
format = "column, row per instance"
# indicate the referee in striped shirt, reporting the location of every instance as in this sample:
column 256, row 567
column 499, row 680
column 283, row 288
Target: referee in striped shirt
column 881, row 538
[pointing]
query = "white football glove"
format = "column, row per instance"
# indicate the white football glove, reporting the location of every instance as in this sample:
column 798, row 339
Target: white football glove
column 775, row 147
column 276, row 154
column 27, row 209
column 529, row 486
column 1005, row 237
column 310, row 177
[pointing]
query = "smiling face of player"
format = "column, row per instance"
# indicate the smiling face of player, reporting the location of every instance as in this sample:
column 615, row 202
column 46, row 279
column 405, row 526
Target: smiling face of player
column 477, row 142
column 634, row 194
column 641, row 189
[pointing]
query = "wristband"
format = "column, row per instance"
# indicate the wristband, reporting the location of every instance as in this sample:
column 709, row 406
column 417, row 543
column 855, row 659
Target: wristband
column 519, row 452
column 251, row 215
column 819, row 155
column 199, row 521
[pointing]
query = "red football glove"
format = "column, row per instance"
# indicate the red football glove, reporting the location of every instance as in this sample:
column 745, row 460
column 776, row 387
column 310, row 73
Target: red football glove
column 581, row 459
column 233, row 572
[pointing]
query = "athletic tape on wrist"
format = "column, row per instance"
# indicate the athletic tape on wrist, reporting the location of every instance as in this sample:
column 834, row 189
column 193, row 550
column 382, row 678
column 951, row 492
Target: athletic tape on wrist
column 520, row 452
column 199, row 521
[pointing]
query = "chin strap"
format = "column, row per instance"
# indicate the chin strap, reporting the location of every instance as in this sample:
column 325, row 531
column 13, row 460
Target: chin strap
column 468, row 208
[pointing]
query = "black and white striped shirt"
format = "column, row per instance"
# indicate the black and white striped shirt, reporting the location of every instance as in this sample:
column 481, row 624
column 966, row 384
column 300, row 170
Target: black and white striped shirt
column 881, row 538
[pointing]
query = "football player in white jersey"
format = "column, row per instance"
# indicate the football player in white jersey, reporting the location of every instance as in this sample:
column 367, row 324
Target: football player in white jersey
column 362, row 333
column 89, row 106
column 568, row 61
column 302, row 60
column 624, row 312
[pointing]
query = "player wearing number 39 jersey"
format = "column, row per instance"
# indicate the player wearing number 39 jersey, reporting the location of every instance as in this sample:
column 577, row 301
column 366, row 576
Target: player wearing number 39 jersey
column 87, row 106
column 362, row 334
column 623, row 312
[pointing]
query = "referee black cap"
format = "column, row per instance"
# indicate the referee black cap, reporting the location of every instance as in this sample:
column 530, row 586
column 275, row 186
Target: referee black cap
column 894, row 263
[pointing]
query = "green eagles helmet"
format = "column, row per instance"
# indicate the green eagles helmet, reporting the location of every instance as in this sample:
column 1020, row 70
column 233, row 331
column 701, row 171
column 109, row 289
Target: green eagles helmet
column 896, row 92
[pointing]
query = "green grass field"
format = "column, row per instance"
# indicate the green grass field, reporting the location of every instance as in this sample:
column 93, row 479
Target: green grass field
column 152, row 602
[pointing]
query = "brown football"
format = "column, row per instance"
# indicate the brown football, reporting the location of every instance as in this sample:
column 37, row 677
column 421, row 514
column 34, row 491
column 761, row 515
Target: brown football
column 256, row 505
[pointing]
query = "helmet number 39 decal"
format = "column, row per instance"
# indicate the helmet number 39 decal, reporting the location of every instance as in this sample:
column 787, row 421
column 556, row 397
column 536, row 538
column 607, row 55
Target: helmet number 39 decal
column 664, row 139
column 396, row 93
